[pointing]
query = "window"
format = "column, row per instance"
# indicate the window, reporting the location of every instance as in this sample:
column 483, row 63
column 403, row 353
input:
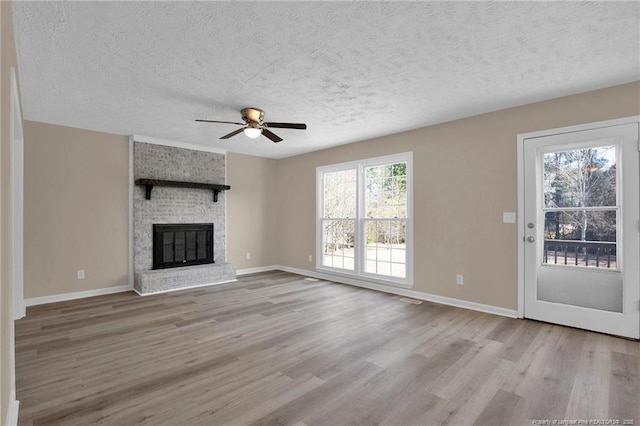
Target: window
column 364, row 218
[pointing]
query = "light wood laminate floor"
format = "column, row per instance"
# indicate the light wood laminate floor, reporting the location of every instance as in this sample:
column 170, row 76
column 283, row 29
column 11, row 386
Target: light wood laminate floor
column 276, row 349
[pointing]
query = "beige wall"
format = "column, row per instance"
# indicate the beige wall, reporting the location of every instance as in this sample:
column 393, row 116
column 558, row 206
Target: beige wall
column 76, row 209
column 464, row 178
column 251, row 211
column 7, row 60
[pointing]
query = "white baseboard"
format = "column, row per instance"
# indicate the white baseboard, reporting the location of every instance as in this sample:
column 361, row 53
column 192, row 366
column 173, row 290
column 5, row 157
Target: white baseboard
column 407, row 293
column 184, row 288
column 248, row 271
column 19, row 310
column 511, row 313
column 76, row 295
column 12, row 410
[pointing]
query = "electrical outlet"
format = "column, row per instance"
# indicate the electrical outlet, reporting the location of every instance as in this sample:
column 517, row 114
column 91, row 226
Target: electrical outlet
column 459, row 280
column 248, row 256
column 310, row 258
column 81, row 274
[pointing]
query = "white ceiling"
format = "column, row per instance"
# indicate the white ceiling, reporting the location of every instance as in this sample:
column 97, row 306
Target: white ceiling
column 350, row 70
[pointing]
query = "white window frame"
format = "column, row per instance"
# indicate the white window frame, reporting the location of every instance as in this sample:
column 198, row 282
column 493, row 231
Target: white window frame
column 358, row 272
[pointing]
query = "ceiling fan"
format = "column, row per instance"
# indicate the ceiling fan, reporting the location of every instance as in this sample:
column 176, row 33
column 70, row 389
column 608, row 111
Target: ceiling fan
column 254, row 125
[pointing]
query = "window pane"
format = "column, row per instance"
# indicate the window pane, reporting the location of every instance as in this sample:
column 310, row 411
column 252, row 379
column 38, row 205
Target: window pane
column 339, row 199
column 363, row 215
column 386, row 191
column 580, row 178
column 385, row 252
column 338, row 243
column 580, row 238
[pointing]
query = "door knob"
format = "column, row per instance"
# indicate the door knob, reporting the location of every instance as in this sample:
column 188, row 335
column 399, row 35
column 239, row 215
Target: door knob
column 531, row 239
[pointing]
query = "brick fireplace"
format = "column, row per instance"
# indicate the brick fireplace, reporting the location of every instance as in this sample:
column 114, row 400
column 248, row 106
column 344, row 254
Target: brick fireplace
column 184, row 219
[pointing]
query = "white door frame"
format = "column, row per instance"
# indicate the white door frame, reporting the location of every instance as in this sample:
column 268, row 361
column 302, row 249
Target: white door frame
column 16, row 181
column 520, row 166
column 17, row 201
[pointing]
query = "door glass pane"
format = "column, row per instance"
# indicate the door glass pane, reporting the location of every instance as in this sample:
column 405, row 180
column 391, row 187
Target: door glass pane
column 580, row 238
column 587, row 288
column 580, row 178
column 579, row 260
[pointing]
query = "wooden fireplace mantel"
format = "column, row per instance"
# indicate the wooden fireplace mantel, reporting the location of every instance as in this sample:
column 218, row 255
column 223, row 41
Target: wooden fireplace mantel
column 150, row 183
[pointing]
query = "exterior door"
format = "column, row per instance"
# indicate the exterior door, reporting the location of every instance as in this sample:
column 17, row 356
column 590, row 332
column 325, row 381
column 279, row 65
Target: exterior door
column 581, row 219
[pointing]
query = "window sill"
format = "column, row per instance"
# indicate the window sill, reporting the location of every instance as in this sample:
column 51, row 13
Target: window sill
column 363, row 279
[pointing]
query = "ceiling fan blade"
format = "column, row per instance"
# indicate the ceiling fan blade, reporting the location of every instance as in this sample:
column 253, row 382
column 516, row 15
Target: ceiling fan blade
column 235, row 132
column 300, row 126
column 271, row 135
column 224, row 122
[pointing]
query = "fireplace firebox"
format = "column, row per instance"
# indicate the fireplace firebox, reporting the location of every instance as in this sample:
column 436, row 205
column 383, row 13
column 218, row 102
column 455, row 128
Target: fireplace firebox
column 176, row 245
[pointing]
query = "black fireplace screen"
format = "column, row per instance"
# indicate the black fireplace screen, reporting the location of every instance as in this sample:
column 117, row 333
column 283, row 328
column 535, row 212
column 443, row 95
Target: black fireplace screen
column 182, row 245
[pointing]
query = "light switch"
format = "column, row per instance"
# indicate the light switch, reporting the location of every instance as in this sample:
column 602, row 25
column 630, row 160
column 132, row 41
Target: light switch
column 509, row 217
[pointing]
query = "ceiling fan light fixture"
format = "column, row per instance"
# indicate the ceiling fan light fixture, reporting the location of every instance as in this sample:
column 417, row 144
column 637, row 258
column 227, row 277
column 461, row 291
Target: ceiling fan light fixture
column 254, row 125
column 252, row 132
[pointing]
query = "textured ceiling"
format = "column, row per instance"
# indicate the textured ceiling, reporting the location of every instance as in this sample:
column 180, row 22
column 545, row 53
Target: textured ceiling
column 350, row 70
